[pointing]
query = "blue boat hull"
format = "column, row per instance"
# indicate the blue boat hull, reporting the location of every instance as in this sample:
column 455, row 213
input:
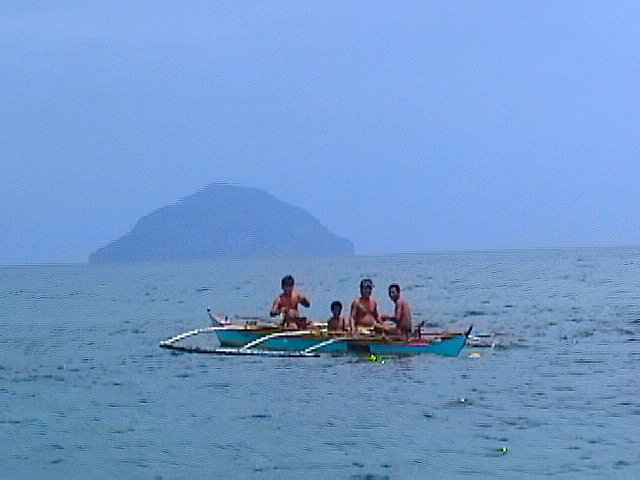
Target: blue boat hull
column 449, row 346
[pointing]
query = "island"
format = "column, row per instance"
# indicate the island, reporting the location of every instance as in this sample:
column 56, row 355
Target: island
column 224, row 220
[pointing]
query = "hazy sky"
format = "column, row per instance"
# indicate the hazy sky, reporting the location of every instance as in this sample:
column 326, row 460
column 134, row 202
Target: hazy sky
column 404, row 126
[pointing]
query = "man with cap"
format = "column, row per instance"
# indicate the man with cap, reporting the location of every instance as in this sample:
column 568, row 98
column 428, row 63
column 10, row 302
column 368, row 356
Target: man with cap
column 364, row 309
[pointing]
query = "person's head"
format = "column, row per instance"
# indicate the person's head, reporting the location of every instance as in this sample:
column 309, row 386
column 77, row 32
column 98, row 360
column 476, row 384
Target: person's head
column 394, row 291
column 336, row 308
column 366, row 287
column 287, row 283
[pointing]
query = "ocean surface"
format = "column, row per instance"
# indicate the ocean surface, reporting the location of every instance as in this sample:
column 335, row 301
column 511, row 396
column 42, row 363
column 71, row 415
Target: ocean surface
column 85, row 391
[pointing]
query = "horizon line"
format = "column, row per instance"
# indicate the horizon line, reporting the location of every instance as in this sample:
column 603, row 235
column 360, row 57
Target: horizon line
column 368, row 254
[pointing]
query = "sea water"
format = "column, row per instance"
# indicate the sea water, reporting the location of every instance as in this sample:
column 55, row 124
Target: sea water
column 86, row 392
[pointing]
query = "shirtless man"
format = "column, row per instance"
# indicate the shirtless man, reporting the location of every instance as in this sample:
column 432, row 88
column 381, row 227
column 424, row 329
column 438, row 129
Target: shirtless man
column 364, row 309
column 401, row 315
column 286, row 304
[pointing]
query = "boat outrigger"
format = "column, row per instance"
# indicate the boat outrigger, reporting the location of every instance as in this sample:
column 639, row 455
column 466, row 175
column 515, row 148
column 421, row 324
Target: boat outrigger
column 252, row 338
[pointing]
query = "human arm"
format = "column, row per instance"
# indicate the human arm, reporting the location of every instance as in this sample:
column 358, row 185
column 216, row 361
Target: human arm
column 390, row 318
column 376, row 316
column 402, row 315
column 405, row 320
column 304, row 301
column 351, row 323
column 275, row 308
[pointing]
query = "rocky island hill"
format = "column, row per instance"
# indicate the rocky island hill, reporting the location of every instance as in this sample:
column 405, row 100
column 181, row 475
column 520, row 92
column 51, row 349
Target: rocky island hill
column 224, row 220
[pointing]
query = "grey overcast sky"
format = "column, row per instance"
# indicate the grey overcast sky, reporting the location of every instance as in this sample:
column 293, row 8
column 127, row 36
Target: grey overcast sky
column 404, row 126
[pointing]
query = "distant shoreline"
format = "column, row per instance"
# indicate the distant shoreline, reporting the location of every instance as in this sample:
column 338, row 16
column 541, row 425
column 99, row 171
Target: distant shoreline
column 424, row 252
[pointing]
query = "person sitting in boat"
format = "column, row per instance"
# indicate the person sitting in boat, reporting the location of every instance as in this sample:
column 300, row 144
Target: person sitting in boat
column 364, row 309
column 337, row 323
column 286, row 304
column 401, row 318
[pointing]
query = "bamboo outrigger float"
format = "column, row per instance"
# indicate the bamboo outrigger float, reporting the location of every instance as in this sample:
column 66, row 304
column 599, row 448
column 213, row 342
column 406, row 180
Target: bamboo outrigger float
column 269, row 339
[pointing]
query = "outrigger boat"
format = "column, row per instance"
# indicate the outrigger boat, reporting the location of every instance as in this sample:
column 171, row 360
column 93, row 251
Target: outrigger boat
column 252, row 338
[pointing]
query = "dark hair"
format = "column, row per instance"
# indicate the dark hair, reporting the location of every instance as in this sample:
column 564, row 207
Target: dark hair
column 336, row 303
column 366, row 282
column 396, row 286
column 287, row 280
